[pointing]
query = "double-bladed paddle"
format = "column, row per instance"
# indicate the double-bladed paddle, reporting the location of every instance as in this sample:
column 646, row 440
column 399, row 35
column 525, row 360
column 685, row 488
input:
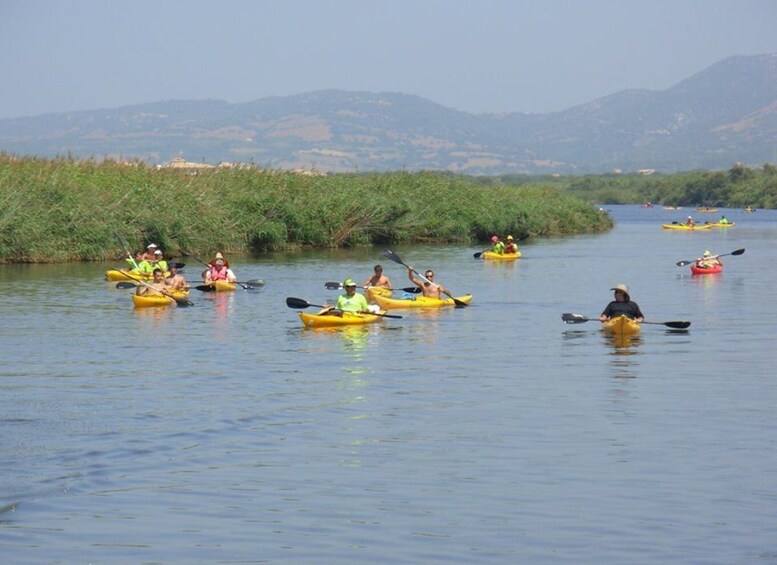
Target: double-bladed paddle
column 292, row 302
column 579, row 319
column 684, row 263
column 397, row 259
column 339, row 286
column 247, row 285
column 126, row 249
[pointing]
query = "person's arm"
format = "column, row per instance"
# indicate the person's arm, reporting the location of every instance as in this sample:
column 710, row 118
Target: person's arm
column 231, row 276
column 413, row 280
column 605, row 314
column 388, row 284
column 639, row 316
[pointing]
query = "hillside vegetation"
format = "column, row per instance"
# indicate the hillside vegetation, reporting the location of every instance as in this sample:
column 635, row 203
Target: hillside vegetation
column 68, row 210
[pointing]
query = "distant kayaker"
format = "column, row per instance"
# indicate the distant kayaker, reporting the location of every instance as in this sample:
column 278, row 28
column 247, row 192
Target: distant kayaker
column 498, row 247
column 378, row 279
column 157, row 286
column 148, row 254
column 690, row 222
column 219, row 270
column 708, row 261
column 350, row 301
column 159, row 261
column 176, row 281
column 429, row 288
column 511, row 247
column 622, row 306
column 723, row 220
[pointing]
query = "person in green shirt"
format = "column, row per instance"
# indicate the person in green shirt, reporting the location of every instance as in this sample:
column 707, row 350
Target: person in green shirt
column 498, row 247
column 351, row 301
column 159, row 261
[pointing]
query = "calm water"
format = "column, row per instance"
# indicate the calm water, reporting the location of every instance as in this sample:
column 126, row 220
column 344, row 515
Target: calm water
column 226, row 433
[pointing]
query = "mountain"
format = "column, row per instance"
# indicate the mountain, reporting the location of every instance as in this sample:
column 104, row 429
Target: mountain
column 725, row 114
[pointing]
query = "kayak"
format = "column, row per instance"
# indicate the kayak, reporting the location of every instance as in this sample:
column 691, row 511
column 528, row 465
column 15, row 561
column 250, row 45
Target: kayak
column 686, row 227
column 719, row 225
column 372, row 291
column 503, row 257
column 223, row 286
column 324, row 320
column 673, row 207
column 621, row 326
column 419, row 302
column 706, row 270
column 157, row 300
column 705, row 210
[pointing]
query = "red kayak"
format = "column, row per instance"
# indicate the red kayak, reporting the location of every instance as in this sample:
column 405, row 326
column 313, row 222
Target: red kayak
column 706, row 271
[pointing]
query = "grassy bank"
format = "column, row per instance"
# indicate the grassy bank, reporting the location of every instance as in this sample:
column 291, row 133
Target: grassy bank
column 67, row 210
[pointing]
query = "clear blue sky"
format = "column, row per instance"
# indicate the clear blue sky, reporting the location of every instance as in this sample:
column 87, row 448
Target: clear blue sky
column 477, row 56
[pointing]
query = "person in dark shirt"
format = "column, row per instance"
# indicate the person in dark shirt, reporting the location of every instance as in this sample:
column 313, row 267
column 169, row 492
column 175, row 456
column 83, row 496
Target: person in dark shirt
column 622, row 305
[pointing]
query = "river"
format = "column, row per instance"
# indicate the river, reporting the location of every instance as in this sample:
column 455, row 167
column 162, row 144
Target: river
column 225, row 432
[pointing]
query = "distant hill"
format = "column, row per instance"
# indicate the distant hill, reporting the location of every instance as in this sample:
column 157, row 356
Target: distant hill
column 725, row 114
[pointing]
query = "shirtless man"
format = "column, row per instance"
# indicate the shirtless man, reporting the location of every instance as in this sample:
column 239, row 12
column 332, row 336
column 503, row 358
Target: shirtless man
column 429, row 288
column 176, row 280
column 157, row 286
column 378, row 279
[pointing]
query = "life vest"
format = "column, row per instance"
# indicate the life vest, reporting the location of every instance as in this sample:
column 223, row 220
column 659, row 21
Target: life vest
column 216, row 275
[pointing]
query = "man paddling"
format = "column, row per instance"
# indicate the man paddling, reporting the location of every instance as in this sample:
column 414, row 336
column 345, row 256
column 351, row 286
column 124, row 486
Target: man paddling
column 429, row 288
column 378, row 279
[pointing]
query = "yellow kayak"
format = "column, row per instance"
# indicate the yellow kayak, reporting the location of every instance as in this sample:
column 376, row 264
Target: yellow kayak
column 686, row 227
column 503, row 257
column 372, row 291
column 719, row 225
column 419, row 302
column 705, row 210
column 223, row 286
column 324, row 320
column 621, row 326
column 156, row 300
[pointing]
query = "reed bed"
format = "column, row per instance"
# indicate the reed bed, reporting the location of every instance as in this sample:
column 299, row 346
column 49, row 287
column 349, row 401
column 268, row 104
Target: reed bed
column 68, row 210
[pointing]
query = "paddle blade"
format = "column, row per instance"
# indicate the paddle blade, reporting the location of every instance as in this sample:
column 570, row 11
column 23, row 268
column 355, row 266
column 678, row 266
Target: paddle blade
column 678, row 325
column 478, row 254
column 125, row 285
column 292, row 302
column 206, row 288
column 333, row 285
column 394, row 257
column 411, row 290
column 684, row 263
column 574, row 318
column 738, row 252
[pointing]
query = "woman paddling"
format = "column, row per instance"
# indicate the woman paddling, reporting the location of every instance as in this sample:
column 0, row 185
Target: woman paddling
column 622, row 306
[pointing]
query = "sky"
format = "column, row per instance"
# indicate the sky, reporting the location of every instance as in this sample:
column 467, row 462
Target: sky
column 479, row 56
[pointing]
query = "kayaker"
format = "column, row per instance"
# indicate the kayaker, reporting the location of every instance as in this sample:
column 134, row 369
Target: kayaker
column 176, row 281
column 498, row 247
column 157, row 286
column 219, row 270
column 429, row 288
column 148, row 254
column 708, row 261
column 622, row 306
column 723, row 219
column 350, row 301
column 690, row 223
column 159, row 261
column 378, row 279
column 511, row 247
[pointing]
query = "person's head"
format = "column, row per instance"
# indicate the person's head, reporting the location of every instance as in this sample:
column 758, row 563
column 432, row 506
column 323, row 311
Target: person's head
column 173, row 268
column 429, row 274
column 509, row 238
column 219, row 260
column 621, row 293
column 494, row 238
column 158, row 275
column 158, row 254
column 378, row 270
column 690, row 218
column 707, row 253
column 151, row 247
column 349, row 286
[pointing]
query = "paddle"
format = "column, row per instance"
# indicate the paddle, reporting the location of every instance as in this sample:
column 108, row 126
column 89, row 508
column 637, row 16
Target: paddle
column 126, row 250
column 244, row 286
column 178, row 301
column 579, row 319
column 292, row 302
column 339, row 286
column 684, row 263
column 249, row 285
column 396, row 258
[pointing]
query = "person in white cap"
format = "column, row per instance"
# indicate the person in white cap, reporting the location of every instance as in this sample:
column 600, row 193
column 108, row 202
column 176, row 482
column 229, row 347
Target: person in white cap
column 148, row 254
column 622, row 306
column 159, row 261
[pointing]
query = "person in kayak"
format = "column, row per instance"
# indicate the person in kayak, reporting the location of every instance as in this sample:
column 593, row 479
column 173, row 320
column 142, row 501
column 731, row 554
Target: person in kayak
column 708, row 261
column 498, row 247
column 159, row 261
column 148, row 254
column 176, row 281
column 690, row 223
column 350, row 301
column 511, row 247
column 219, row 270
column 157, row 286
column 622, row 305
column 378, row 279
column 723, row 219
column 429, row 288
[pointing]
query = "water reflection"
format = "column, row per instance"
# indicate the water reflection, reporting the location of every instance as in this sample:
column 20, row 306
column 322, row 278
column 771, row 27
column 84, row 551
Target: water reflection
column 623, row 354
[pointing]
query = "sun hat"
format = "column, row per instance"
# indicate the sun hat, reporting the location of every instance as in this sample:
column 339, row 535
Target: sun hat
column 150, row 245
column 158, row 252
column 623, row 288
column 349, row 282
column 494, row 238
column 707, row 253
column 219, row 255
column 510, row 238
